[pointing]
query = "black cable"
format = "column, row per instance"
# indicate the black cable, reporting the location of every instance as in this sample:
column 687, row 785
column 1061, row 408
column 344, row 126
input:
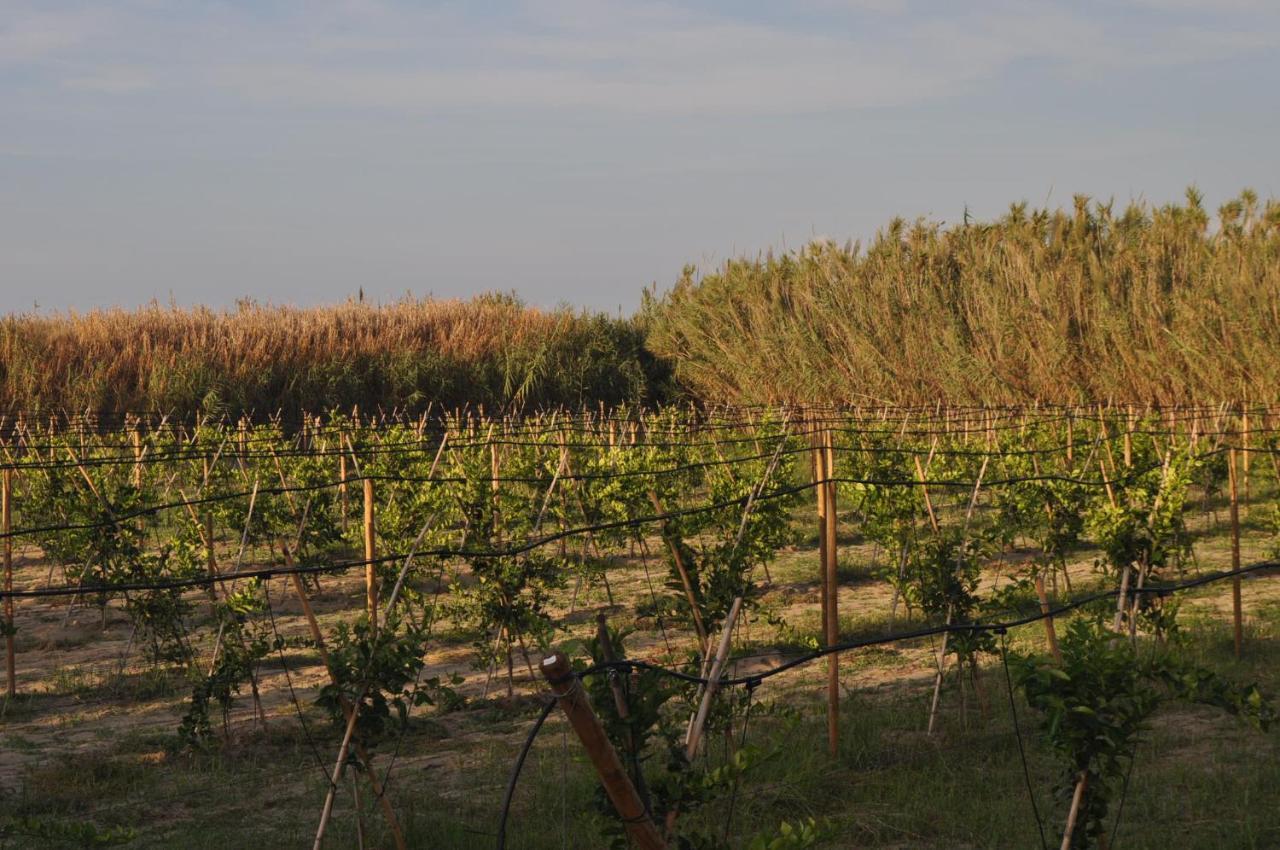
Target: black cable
column 1017, row 730
column 754, row 680
column 518, row 767
column 306, row 727
column 1124, row 793
column 150, row 510
column 733, row 795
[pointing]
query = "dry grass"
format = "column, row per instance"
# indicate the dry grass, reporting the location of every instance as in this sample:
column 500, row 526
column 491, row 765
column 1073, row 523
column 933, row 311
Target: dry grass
column 489, row 350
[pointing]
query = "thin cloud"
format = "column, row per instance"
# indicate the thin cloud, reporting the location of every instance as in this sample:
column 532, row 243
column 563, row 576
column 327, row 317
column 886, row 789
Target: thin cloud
column 605, row 56
column 113, row 81
column 31, row 35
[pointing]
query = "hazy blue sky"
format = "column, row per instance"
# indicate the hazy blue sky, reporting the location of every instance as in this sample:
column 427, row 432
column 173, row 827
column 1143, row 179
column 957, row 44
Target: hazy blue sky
column 578, row 151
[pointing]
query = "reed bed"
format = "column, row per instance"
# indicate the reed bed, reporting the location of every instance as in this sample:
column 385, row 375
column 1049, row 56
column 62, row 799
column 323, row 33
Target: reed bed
column 1151, row 304
column 491, row 350
column 1161, row 305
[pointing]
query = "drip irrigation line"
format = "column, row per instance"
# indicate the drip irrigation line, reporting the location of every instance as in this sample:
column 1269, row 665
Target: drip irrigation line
column 543, row 430
column 460, row 552
column 733, row 795
column 615, row 411
column 1017, row 731
column 293, row 695
column 514, row 778
column 150, row 510
column 916, row 634
column 283, row 448
column 1124, row 793
column 754, row 680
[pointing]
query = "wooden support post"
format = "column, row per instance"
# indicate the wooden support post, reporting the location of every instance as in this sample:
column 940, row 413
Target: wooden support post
column 210, row 563
column 1245, row 453
column 1236, row 611
column 6, row 526
column 493, row 485
column 820, row 490
column 924, row 488
column 342, row 487
column 832, row 636
column 622, row 793
column 1071, row 437
column 1128, row 438
column 1050, row 632
column 137, row 459
column 1106, row 482
column 348, row 709
column 370, row 552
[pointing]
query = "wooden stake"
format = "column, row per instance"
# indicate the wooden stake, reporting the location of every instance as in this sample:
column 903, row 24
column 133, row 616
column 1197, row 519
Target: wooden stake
column 370, row 552
column 1050, row 632
column 1123, row 598
column 820, row 490
column 211, row 562
column 1128, row 438
column 342, row 488
column 347, row 708
column 137, row 459
column 1236, row 611
column 937, row 682
column 622, row 793
column 832, row 635
column 1106, row 482
column 615, row 686
column 1244, row 457
column 336, row 776
column 1071, row 437
column 6, row 525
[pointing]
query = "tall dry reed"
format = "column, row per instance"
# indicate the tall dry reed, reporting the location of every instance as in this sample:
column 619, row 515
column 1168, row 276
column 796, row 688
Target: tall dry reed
column 1149, row 304
column 258, row 358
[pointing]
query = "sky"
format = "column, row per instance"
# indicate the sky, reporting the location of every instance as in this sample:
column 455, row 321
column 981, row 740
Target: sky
column 577, row 152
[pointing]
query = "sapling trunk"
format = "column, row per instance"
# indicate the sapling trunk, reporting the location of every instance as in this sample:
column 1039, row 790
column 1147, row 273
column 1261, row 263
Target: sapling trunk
column 937, row 683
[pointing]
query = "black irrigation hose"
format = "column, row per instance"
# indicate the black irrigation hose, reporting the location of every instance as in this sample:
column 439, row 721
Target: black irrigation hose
column 962, row 628
column 293, row 694
column 697, row 422
column 752, row 681
column 510, row 551
column 116, row 519
column 127, row 457
column 519, row 766
column 280, row 447
column 1017, row 731
column 1124, row 793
